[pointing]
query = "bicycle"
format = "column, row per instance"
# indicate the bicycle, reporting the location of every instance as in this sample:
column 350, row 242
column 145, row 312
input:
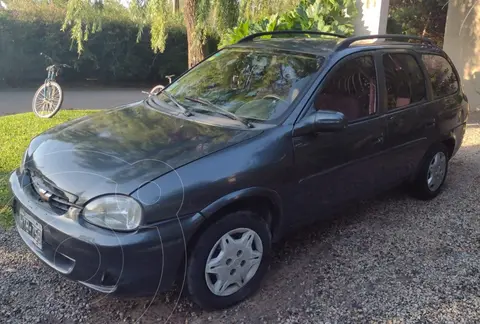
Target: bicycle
column 49, row 97
column 156, row 89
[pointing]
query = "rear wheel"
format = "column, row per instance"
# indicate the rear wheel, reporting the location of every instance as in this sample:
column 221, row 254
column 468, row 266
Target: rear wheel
column 432, row 173
column 47, row 100
column 229, row 260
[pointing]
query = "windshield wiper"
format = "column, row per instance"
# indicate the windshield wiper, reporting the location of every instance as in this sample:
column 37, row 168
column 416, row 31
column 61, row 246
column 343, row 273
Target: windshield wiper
column 184, row 110
column 221, row 111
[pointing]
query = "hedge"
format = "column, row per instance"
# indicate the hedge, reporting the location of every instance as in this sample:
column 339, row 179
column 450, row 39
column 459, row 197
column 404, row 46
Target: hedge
column 111, row 56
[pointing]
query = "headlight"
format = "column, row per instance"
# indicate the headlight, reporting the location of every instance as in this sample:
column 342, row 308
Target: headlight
column 121, row 213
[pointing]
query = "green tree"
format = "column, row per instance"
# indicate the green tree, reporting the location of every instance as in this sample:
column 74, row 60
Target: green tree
column 47, row 11
column 320, row 15
column 258, row 9
column 200, row 18
column 84, row 17
column 418, row 17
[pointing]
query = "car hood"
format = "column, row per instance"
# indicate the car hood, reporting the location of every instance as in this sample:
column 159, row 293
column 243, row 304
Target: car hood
column 119, row 150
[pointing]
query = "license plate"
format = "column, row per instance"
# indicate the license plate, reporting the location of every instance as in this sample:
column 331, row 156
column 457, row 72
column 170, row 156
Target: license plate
column 31, row 227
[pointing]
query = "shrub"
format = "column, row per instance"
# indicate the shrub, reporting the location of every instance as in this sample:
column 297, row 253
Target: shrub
column 319, row 15
column 111, row 56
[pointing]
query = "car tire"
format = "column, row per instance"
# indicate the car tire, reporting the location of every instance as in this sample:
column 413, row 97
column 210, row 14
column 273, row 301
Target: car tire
column 240, row 262
column 432, row 173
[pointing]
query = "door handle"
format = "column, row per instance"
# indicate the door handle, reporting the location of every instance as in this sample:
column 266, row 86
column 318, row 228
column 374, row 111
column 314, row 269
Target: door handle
column 430, row 123
column 394, row 120
column 377, row 140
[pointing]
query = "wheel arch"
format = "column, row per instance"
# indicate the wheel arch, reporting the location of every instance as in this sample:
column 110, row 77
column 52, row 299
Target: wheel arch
column 450, row 143
column 263, row 200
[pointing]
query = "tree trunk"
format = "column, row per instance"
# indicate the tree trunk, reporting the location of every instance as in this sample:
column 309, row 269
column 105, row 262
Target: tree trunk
column 176, row 5
column 426, row 25
column 195, row 46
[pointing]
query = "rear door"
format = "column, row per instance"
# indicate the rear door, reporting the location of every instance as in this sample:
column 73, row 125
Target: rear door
column 404, row 96
column 447, row 101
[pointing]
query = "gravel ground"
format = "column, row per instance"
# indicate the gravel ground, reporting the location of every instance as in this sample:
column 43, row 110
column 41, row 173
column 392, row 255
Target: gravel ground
column 393, row 259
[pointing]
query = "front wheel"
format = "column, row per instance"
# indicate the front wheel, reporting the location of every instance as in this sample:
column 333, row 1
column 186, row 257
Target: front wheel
column 47, row 100
column 229, row 260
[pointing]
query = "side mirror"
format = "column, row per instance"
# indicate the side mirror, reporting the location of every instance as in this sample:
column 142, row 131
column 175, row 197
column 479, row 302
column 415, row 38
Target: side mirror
column 321, row 121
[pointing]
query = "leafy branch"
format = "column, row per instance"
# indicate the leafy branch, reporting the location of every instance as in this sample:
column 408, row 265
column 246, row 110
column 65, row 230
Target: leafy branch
column 314, row 15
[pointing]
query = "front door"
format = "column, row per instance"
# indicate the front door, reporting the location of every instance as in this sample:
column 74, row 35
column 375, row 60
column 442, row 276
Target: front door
column 335, row 167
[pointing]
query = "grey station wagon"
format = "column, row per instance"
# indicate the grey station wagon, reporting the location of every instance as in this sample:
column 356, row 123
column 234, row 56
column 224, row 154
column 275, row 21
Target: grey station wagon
column 193, row 185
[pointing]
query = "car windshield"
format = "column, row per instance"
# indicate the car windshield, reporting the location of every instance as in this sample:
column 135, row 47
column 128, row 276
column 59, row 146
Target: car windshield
column 252, row 84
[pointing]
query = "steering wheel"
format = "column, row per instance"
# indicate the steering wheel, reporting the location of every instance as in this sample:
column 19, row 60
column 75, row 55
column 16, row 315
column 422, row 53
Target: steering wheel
column 271, row 96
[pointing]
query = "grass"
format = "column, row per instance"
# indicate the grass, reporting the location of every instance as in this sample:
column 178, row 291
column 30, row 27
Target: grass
column 16, row 131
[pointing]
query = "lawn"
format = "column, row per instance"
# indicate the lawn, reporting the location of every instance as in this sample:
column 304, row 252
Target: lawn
column 16, row 131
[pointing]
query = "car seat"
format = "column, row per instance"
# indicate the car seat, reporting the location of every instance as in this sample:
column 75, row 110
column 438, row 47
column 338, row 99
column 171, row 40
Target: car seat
column 347, row 105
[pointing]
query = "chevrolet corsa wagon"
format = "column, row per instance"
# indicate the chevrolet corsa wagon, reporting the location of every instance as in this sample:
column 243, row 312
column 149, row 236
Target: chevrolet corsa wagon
column 193, row 185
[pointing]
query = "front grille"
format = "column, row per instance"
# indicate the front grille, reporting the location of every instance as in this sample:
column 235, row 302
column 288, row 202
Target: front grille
column 40, row 190
column 59, row 204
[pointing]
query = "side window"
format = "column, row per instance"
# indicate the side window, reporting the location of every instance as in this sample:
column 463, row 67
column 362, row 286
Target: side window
column 351, row 89
column 442, row 75
column 404, row 79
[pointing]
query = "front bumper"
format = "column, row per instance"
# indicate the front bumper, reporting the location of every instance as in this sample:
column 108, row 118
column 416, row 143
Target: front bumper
column 142, row 263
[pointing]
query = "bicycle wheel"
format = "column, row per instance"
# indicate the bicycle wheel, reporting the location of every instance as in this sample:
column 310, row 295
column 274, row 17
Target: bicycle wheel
column 156, row 89
column 47, row 100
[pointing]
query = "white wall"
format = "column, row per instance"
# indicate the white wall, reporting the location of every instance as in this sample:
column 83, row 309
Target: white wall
column 462, row 44
column 372, row 18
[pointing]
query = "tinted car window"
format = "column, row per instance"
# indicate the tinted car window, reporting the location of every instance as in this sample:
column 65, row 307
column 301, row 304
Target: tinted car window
column 442, row 75
column 351, row 89
column 404, row 79
column 250, row 83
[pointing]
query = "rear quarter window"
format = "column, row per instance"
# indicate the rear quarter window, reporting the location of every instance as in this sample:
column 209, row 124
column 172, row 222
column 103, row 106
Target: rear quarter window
column 442, row 76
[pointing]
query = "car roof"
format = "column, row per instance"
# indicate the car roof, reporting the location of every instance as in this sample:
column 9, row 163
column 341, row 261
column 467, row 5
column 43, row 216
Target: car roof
column 313, row 46
column 324, row 46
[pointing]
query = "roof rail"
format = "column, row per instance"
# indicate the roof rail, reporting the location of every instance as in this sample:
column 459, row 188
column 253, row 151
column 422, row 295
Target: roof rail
column 287, row 32
column 349, row 41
